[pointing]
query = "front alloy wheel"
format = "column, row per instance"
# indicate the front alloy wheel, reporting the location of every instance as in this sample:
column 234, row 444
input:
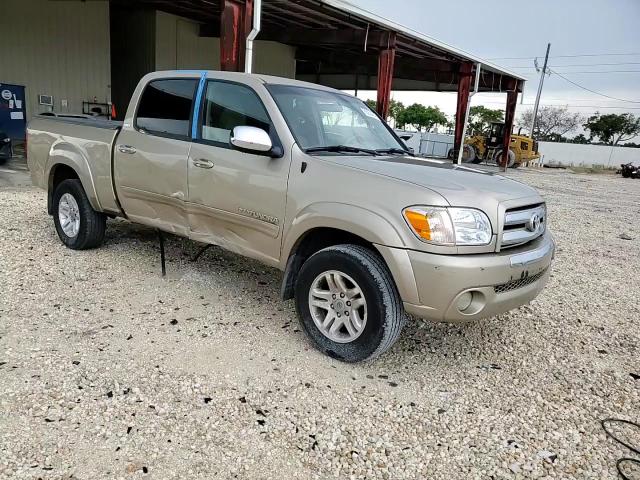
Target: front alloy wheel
column 338, row 306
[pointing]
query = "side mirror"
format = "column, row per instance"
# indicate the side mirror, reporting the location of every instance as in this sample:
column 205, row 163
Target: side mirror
column 251, row 140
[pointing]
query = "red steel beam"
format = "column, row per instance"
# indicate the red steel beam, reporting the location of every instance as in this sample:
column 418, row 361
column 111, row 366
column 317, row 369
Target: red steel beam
column 509, row 117
column 385, row 75
column 235, row 24
column 464, row 89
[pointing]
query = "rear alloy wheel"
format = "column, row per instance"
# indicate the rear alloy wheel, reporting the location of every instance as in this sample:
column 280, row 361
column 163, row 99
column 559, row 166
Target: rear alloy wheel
column 348, row 304
column 78, row 225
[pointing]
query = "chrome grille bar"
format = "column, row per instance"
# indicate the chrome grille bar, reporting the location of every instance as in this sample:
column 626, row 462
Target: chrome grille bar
column 523, row 225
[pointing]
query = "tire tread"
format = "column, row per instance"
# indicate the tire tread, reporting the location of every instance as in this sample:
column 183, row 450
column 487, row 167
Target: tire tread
column 395, row 317
column 92, row 224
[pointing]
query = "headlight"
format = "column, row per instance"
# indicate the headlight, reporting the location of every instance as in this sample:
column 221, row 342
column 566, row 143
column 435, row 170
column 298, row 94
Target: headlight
column 449, row 226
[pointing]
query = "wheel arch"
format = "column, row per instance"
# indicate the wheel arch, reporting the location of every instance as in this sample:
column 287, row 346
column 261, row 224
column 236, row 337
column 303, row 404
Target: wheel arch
column 65, row 162
column 311, row 232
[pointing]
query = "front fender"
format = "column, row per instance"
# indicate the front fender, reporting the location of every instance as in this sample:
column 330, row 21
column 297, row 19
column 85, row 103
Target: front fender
column 370, row 226
column 359, row 221
column 65, row 153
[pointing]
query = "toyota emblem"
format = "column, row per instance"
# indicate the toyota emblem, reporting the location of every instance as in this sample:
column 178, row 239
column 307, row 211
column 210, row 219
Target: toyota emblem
column 534, row 223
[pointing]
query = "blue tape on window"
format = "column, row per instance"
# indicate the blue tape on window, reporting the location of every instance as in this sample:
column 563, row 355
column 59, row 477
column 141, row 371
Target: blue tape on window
column 196, row 110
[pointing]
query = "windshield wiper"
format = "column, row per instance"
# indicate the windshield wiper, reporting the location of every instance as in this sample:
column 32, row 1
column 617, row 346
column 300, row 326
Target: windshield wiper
column 341, row 149
column 393, row 150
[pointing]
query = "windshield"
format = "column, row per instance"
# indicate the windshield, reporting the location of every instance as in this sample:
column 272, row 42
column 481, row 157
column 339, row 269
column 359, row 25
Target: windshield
column 322, row 119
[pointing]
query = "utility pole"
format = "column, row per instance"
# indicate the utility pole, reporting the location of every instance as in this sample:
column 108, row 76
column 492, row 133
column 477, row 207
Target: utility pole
column 542, row 75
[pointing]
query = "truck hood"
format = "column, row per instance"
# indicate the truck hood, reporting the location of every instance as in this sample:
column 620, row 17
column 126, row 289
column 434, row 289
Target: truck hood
column 459, row 185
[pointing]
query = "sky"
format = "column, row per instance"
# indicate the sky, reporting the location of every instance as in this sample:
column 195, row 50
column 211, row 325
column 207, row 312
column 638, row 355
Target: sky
column 599, row 31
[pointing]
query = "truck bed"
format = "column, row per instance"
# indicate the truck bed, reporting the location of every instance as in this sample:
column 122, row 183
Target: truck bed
column 83, row 144
column 96, row 122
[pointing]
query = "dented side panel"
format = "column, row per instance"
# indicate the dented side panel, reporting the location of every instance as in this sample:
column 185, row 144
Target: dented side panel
column 239, row 203
column 151, row 183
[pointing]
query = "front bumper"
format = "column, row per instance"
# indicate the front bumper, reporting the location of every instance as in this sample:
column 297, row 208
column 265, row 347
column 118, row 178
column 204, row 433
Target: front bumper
column 486, row 284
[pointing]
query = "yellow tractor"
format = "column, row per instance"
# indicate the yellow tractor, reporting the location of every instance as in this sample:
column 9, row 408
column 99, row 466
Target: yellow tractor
column 480, row 148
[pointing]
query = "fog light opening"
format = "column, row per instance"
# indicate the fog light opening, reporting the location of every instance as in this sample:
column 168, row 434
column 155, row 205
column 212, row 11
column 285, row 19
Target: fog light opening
column 464, row 301
column 471, row 302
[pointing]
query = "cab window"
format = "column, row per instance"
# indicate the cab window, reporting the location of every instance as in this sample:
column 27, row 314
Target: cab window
column 165, row 107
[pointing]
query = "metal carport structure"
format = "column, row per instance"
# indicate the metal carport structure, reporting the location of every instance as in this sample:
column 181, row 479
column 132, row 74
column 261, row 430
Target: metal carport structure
column 341, row 45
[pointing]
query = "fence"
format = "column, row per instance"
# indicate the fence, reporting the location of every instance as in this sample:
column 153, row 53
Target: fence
column 577, row 155
column 435, row 144
column 565, row 154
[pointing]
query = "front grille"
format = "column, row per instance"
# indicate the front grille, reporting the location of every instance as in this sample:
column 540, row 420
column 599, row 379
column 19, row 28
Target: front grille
column 523, row 225
column 519, row 283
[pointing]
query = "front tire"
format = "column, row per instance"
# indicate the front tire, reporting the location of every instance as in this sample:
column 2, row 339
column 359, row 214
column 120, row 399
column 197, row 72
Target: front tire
column 78, row 225
column 348, row 304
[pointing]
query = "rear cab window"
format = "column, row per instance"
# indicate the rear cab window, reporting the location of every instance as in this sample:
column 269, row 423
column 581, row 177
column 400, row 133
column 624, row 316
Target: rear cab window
column 166, row 106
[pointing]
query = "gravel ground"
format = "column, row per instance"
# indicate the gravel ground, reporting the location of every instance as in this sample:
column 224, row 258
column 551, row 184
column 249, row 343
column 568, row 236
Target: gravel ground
column 108, row 370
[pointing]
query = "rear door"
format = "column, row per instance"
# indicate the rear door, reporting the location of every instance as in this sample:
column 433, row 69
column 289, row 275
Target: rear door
column 151, row 155
column 236, row 199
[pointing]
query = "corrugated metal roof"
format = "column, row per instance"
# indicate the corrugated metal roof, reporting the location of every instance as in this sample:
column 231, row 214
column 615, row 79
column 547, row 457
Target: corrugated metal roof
column 366, row 15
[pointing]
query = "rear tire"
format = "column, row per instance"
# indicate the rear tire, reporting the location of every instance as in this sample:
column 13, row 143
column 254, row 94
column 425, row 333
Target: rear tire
column 357, row 276
column 78, row 225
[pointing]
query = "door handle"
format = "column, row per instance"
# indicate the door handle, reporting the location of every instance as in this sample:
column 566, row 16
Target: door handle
column 203, row 163
column 126, row 149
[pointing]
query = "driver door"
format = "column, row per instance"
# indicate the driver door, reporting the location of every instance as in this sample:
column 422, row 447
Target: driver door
column 236, row 199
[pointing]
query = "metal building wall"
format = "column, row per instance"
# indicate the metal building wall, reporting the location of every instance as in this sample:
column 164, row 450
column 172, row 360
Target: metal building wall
column 56, row 48
column 133, row 46
column 179, row 45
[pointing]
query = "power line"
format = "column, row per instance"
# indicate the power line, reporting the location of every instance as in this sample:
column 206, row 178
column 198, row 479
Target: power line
column 602, row 71
column 578, row 65
column 568, row 56
column 587, row 71
column 593, row 91
column 595, row 64
column 566, row 105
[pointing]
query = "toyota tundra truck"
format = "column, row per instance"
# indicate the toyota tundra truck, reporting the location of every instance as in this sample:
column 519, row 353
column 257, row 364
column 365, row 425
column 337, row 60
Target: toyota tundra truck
column 311, row 181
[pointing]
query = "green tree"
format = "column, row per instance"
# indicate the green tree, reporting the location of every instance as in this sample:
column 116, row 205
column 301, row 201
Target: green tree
column 395, row 108
column 481, row 117
column 419, row 117
column 580, row 139
column 613, row 128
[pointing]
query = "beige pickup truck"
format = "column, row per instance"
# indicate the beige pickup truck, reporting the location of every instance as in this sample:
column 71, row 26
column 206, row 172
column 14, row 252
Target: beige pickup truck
column 309, row 180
